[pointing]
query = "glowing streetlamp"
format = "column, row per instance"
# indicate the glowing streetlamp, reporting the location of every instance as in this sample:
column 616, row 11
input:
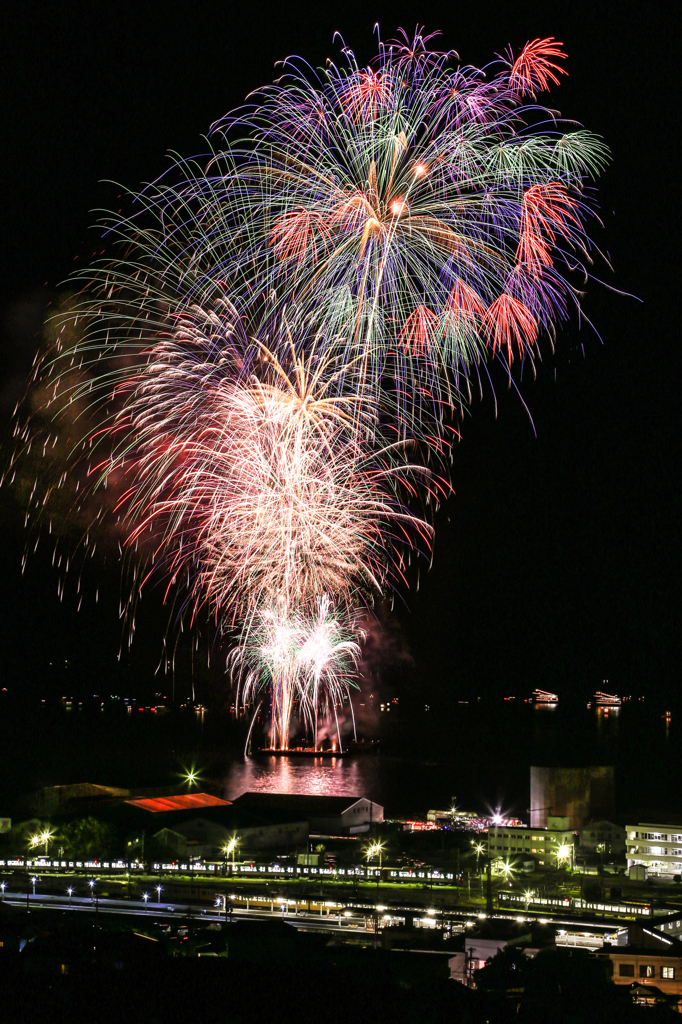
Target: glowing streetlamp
column 375, row 850
column 41, row 839
column 229, row 848
column 34, row 880
column 507, row 870
column 69, row 893
column 3, row 886
column 145, row 897
column 158, row 891
column 563, row 853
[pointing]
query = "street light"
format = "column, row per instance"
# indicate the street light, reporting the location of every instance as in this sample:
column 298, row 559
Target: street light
column 158, row 890
column 145, row 897
column 229, row 848
column 41, row 839
column 375, row 850
column 507, row 870
column 191, row 777
column 3, row 886
column 69, row 893
column 93, row 895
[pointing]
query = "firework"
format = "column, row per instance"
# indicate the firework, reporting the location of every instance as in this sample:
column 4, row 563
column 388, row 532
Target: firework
column 309, row 659
column 261, row 488
column 291, row 322
column 421, row 213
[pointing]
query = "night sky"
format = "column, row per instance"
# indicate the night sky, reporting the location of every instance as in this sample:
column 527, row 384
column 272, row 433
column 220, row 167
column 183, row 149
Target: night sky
column 557, row 563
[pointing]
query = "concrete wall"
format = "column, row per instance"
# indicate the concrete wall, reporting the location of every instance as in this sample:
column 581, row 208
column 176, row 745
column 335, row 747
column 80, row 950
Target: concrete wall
column 579, row 794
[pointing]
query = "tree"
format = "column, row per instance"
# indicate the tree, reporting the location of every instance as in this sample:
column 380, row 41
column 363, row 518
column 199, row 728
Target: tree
column 88, row 838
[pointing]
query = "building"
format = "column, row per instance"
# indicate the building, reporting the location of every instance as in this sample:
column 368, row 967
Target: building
column 492, row 936
column 546, row 847
column 199, row 825
column 653, row 961
column 279, row 834
column 602, row 837
column 328, row 815
column 579, row 794
column 658, row 848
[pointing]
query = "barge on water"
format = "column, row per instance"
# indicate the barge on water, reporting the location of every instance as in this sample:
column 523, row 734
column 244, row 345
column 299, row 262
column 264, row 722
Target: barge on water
column 607, row 700
column 544, row 697
column 302, row 752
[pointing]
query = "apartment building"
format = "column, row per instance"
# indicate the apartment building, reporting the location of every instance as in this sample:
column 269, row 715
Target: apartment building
column 657, row 847
column 657, row 969
column 545, row 846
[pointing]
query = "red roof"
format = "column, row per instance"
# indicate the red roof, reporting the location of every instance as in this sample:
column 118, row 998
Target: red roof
column 181, row 802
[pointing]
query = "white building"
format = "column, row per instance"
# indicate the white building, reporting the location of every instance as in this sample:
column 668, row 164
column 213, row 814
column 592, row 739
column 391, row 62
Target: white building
column 545, row 846
column 657, row 847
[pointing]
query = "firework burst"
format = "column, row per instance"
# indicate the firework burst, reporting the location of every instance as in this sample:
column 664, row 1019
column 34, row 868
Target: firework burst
column 292, row 315
column 419, row 211
column 309, row 659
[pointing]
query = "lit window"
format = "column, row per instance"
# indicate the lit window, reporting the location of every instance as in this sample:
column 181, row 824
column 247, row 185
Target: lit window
column 668, row 973
column 647, row 971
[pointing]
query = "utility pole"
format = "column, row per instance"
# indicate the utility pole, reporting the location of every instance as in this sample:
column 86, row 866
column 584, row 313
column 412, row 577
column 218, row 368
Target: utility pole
column 488, row 888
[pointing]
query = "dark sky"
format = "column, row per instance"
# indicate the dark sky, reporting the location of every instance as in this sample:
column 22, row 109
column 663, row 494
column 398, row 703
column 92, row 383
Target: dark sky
column 557, row 563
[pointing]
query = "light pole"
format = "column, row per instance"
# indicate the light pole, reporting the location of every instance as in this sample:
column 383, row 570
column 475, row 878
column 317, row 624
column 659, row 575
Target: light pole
column 479, row 848
column 158, row 890
column 3, row 886
column 94, row 896
column 69, row 893
column 145, row 897
column 228, row 849
column 376, row 850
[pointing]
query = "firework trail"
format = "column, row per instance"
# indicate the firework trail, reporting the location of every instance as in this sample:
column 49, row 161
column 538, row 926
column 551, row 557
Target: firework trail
column 262, row 489
column 294, row 313
column 425, row 214
column 309, row 658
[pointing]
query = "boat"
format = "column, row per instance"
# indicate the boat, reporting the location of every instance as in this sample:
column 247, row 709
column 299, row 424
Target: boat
column 606, row 700
column 302, row 752
column 544, row 697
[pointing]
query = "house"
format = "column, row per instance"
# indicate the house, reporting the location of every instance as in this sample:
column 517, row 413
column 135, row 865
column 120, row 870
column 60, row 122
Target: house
column 657, row 968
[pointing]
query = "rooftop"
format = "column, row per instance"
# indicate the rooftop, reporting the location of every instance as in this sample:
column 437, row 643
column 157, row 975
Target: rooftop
column 180, row 802
column 318, row 806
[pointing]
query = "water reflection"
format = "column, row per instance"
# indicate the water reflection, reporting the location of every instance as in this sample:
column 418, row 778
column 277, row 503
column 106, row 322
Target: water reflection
column 333, row 776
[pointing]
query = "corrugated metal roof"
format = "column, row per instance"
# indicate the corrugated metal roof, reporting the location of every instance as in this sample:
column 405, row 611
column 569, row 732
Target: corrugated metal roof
column 180, row 802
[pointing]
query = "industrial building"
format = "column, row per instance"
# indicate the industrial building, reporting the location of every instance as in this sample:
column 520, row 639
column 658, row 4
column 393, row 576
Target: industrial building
column 330, row 815
column 200, row 825
column 579, row 794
